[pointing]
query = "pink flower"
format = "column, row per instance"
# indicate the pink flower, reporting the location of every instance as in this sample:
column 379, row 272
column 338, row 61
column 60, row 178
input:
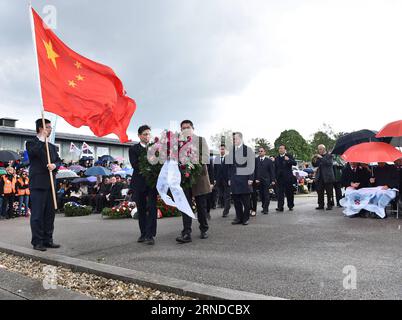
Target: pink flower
column 187, row 175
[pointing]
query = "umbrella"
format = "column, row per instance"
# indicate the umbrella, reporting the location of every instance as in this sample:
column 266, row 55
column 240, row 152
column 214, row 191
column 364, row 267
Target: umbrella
column 85, row 158
column 300, row 173
column 84, row 180
column 66, row 174
column 351, row 139
column 8, row 155
column 107, row 158
column 92, row 179
column 120, row 173
column 77, row 168
column 394, row 130
column 372, row 152
column 97, row 171
column 129, row 171
column 2, row 171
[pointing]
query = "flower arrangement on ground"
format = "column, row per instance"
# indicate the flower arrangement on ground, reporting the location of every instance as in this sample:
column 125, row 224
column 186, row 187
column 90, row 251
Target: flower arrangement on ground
column 123, row 210
column 74, row 209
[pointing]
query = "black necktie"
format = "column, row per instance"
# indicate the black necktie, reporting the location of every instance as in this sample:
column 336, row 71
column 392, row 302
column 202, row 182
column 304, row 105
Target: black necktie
column 222, row 160
column 261, row 159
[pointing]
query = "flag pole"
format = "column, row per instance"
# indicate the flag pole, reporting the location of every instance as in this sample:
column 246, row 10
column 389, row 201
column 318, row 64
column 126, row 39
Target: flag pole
column 43, row 109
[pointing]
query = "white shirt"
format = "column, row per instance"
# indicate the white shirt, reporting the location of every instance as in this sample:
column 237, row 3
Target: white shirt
column 143, row 145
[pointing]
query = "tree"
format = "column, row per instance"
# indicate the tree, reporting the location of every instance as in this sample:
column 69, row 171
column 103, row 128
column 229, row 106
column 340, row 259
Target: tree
column 262, row 143
column 224, row 137
column 295, row 144
column 321, row 137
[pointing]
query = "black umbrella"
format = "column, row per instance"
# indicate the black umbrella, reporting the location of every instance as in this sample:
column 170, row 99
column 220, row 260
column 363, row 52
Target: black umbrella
column 8, row 155
column 106, row 158
column 353, row 138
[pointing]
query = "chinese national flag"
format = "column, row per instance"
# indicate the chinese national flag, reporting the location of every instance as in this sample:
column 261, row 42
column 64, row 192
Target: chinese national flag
column 80, row 90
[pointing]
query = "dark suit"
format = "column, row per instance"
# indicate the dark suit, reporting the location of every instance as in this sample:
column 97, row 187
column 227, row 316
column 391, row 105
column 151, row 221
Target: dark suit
column 325, row 179
column 284, row 180
column 42, row 208
column 386, row 176
column 240, row 172
column 265, row 174
column 144, row 196
column 221, row 175
column 211, row 202
column 357, row 174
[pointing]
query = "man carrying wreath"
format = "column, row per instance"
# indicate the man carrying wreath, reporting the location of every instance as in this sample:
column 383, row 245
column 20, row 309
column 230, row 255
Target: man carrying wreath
column 200, row 189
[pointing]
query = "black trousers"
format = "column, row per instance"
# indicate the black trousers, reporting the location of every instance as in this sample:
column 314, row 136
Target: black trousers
column 211, row 200
column 338, row 192
column 201, row 203
column 8, row 204
column 147, row 211
column 254, row 198
column 242, row 206
column 323, row 188
column 224, row 193
column 285, row 188
column 100, row 202
column 42, row 217
column 264, row 196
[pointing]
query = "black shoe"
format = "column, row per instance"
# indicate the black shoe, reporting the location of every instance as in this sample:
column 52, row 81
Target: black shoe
column 265, row 212
column 150, row 241
column 39, row 247
column 141, row 239
column 329, row 208
column 338, row 205
column 291, row 209
column 204, row 235
column 245, row 223
column 52, row 245
column 279, row 209
column 184, row 239
column 225, row 215
column 319, row 208
column 236, row 222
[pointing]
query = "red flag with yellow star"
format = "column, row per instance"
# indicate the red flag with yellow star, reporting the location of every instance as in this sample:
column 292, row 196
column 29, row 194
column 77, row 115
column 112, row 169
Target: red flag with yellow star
column 83, row 92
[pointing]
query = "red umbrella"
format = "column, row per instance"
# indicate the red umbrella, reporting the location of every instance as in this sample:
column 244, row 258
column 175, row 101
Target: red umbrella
column 393, row 129
column 368, row 152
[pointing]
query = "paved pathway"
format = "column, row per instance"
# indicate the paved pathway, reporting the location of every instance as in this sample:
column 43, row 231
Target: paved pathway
column 299, row 255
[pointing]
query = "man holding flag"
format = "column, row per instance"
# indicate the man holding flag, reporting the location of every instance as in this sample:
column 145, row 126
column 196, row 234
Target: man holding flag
column 42, row 208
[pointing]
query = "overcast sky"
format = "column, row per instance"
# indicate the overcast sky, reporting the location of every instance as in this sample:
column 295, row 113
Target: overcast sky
column 257, row 66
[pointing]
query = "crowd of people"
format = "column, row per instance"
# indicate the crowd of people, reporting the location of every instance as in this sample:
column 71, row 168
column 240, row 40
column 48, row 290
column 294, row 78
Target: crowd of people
column 237, row 176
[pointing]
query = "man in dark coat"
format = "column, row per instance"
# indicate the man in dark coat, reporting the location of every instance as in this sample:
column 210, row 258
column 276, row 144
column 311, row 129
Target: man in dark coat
column 42, row 207
column 355, row 176
column 265, row 175
column 241, row 176
column 325, row 177
column 144, row 196
column 221, row 176
column 284, row 178
column 386, row 176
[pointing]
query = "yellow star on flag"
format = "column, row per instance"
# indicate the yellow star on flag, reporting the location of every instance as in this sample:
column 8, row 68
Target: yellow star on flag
column 80, row 77
column 72, row 84
column 78, row 65
column 51, row 55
